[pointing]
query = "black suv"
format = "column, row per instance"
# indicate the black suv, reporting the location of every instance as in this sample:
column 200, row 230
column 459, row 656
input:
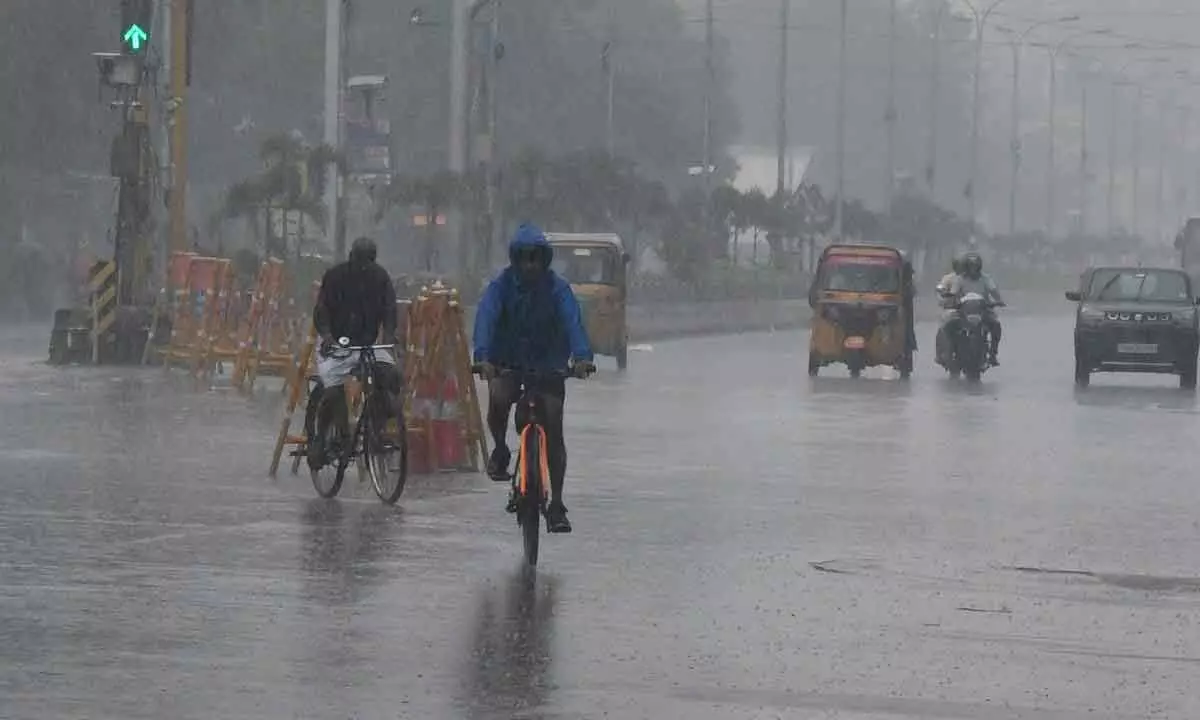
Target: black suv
column 1136, row 319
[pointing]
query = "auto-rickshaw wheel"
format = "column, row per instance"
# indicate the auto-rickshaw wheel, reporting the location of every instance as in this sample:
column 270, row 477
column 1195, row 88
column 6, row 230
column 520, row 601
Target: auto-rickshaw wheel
column 814, row 365
column 906, row 366
column 623, row 356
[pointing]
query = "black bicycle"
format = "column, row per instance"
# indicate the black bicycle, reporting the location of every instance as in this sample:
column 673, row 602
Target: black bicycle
column 380, row 446
column 531, row 474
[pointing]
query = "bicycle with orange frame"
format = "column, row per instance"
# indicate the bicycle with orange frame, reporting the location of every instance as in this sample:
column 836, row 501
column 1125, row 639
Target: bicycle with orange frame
column 531, row 473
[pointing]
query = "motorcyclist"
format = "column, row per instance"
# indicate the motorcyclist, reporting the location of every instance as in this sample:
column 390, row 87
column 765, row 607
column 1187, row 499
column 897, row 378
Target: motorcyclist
column 974, row 280
column 947, row 302
column 356, row 301
column 529, row 319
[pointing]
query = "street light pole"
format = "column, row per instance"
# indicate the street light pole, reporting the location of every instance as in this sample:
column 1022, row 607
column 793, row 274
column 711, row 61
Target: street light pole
column 1083, row 162
column 709, row 81
column 333, row 117
column 840, row 210
column 1162, row 170
column 1015, row 142
column 1137, row 158
column 494, row 225
column 935, row 72
column 1050, row 141
column 1112, row 161
column 981, row 19
column 781, row 137
column 889, row 116
column 1051, row 130
column 1017, row 42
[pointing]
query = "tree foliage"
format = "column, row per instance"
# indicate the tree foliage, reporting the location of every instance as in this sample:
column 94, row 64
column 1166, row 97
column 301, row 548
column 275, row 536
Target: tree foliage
column 293, row 178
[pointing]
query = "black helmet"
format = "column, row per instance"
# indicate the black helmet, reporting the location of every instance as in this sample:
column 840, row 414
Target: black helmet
column 363, row 251
column 973, row 264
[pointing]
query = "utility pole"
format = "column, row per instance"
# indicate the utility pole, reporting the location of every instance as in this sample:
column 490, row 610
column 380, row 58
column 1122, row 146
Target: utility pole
column 333, row 123
column 840, row 209
column 889, row 116
column 177, row 206
column 781, row 134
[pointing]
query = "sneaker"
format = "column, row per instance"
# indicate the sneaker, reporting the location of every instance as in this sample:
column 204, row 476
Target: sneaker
column 497, row 467
column 511, row 507
column 556, row 519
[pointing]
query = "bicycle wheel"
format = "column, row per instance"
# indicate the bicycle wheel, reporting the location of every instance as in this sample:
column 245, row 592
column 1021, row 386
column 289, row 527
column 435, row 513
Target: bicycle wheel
column 387, row 458
column 327, row 479
column 529, row 504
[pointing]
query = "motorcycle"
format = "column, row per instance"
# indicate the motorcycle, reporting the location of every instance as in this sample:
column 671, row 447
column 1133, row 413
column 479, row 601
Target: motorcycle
column 970, row 341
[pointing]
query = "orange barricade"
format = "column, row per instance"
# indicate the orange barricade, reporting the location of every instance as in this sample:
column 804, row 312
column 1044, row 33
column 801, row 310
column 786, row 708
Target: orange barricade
column 200, row 311
column 445, row 426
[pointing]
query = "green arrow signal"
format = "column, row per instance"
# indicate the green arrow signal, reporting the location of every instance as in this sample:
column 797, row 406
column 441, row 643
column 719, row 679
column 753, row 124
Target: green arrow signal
column 135, row 36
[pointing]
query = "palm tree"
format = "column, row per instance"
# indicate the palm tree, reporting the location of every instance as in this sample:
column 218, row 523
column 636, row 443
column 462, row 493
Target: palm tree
column 293, row 178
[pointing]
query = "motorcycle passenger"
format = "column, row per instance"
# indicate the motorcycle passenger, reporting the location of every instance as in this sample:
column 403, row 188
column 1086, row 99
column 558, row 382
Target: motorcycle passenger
column 529, row 319
column 974, row 280
column 356, row 301
column 947, row 302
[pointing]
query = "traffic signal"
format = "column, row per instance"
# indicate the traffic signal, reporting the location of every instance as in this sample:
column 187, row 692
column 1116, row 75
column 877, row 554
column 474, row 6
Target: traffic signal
column 137, row 17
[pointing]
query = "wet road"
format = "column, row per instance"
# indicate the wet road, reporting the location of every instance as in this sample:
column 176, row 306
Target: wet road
column 749, row 544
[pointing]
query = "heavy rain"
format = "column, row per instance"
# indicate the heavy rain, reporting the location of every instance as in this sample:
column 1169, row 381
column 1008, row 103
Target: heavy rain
column 876, row 319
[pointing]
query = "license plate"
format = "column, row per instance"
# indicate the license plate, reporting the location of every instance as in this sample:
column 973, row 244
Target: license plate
column 1137, row 348
column 855, row 343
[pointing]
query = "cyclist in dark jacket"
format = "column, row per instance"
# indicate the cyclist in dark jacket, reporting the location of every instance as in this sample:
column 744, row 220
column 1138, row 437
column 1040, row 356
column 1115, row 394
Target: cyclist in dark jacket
column 529, row 319
column 356, row 301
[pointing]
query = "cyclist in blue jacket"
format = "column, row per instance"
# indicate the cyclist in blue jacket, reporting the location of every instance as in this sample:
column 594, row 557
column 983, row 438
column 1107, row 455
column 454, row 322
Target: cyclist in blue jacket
column 529, row 319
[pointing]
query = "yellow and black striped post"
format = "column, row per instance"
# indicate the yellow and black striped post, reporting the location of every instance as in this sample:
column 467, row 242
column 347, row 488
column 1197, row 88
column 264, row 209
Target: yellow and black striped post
column 102, row 287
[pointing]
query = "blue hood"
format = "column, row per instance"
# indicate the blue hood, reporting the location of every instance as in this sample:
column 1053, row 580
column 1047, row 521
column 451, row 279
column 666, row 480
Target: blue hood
column 529, row 236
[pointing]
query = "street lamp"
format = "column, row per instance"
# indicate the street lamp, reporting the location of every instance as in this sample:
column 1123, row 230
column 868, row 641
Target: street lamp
column 1051, row 183
column 1018, row 39
column 1121, row 81
column 981, row 18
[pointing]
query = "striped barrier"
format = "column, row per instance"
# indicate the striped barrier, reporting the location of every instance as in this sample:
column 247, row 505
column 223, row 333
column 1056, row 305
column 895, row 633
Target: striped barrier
column 102, row 289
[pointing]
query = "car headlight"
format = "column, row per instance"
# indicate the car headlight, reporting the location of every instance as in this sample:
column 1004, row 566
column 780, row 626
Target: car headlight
column 1090, row 315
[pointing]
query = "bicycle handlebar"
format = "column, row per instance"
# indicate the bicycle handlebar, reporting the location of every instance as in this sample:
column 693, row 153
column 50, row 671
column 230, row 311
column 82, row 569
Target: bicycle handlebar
column 476, row 369
column 360, row 348
column 342, row 352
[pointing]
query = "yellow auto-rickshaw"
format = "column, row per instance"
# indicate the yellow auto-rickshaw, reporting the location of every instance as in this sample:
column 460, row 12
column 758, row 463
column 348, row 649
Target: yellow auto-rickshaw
column 862, row 309
column 595, row 265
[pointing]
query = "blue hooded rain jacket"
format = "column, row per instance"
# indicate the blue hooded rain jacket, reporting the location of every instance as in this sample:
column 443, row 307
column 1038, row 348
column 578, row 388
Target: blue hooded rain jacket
column 530, row 327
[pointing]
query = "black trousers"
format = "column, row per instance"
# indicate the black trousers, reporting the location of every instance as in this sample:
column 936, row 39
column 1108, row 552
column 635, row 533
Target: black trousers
column 503, row 393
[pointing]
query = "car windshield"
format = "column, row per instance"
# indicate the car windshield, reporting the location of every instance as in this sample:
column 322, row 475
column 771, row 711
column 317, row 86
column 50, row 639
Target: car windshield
column 860, row 274
column 586, row 264
column 1140, row 285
